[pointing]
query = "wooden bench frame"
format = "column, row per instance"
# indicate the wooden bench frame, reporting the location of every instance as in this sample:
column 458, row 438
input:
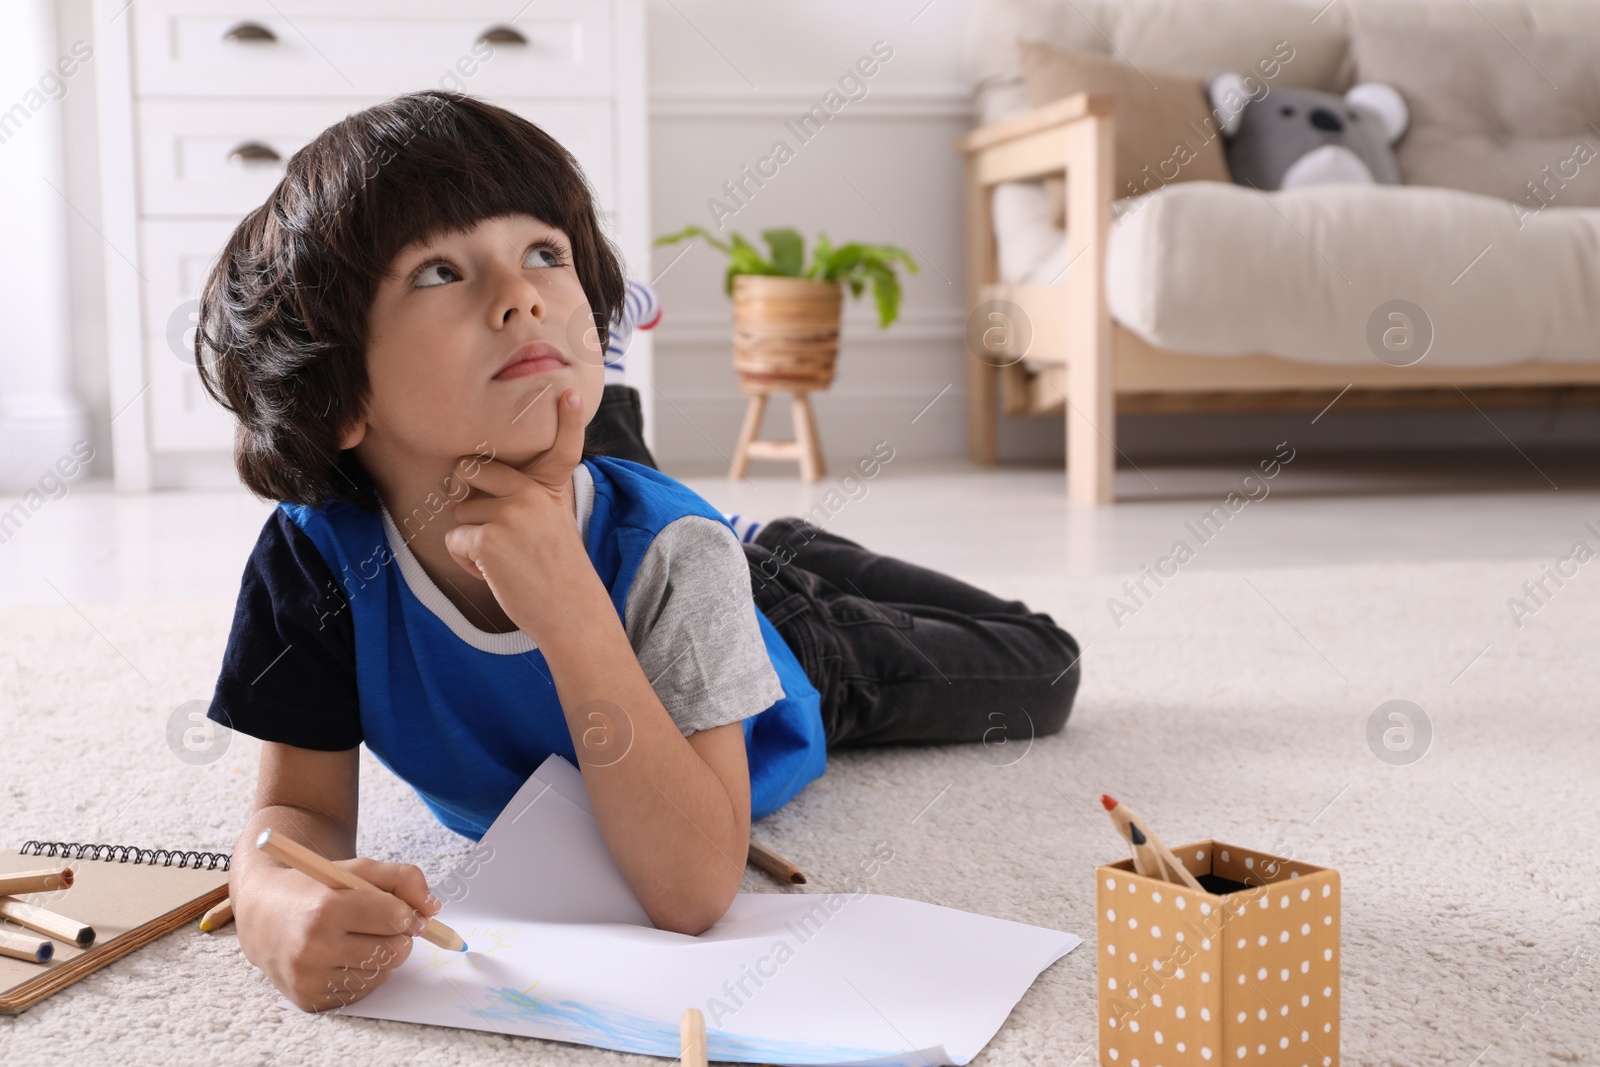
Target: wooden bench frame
column 1099, row 368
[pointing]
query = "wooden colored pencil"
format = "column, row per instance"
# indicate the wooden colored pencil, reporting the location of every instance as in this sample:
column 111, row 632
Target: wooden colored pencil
column 775, row 865
column 1123, row 817
column 217, row 917
column 1119, row 814
column 692, row 1034
column 47, row 922
column 1175, row 865
column 1145, row 858
column 26, row 948
column 289, row 851
column 35, row 881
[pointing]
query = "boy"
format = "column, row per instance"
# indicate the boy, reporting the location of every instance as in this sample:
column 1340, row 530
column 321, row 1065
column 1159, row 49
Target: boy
column 411, row 333
column 616, row 429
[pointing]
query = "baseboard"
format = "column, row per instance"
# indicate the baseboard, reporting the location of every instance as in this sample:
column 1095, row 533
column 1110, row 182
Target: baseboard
column 38, row 432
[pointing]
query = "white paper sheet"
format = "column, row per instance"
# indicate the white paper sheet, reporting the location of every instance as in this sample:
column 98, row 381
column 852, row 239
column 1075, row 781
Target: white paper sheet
column 559, row 947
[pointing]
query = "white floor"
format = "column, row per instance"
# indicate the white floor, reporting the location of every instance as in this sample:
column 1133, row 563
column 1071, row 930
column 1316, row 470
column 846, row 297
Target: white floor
column 94, row 545
column 1239, row 705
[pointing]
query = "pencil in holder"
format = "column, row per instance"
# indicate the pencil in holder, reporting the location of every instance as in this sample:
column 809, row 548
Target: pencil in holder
column 1245, row 974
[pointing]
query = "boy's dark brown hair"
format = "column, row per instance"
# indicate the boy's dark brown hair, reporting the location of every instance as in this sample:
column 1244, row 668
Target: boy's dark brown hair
column 282, row 330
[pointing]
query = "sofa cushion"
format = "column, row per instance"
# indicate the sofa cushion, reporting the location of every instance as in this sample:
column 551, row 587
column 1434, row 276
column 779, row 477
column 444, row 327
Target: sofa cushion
column 1165, row 130
column 1199, row 37
column 1509, row 16
column 1513, row 116
column 1217, row 269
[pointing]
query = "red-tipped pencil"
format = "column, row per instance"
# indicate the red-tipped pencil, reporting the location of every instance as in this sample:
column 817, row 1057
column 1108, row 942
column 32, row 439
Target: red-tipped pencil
column 1124, row 819
column 46, row 881
column 1145, row 858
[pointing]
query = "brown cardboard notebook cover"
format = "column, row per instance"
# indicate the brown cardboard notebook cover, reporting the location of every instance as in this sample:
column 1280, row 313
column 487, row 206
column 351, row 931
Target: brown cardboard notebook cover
column 131, row 896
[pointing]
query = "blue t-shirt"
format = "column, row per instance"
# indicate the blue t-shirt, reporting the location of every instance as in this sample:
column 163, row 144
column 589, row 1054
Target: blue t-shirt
column 326, row 662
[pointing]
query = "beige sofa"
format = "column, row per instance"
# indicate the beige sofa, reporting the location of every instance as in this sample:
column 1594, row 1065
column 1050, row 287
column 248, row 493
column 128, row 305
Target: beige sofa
column 1206, row 295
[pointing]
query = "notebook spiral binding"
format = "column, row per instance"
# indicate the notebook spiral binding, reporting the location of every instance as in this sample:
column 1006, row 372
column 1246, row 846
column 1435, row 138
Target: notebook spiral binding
column 127, row 853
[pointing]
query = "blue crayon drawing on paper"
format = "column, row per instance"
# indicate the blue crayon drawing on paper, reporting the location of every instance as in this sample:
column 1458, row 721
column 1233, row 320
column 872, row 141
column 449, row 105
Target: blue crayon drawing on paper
column 615, row 1028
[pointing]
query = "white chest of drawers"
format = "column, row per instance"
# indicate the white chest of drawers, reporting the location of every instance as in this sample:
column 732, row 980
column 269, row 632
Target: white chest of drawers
column 201, row 102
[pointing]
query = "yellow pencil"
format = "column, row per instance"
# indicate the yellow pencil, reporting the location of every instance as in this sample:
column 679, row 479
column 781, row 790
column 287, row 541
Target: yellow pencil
column 217, row 917
column 289, row 851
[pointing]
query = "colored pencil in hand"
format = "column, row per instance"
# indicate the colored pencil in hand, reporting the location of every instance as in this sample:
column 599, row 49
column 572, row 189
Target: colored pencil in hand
column 289, row 851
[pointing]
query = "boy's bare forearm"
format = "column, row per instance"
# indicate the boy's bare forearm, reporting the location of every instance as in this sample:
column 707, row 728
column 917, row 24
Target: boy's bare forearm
column 315, row 830
column 665, row 814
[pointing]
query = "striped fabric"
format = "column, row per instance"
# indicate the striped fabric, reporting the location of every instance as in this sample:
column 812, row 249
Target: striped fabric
column 640, row 311
column 743, row 526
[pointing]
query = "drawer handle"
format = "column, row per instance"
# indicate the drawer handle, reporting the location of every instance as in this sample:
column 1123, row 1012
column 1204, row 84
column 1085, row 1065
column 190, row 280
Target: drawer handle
column 250, row 33
column 502, row 35
column 254, row 153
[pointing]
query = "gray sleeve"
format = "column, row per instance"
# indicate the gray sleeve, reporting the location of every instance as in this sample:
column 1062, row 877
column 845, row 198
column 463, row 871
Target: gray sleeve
column 691, row 620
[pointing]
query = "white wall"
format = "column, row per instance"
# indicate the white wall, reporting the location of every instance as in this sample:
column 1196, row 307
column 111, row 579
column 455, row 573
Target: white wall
column 40, row 420
column 86, row 291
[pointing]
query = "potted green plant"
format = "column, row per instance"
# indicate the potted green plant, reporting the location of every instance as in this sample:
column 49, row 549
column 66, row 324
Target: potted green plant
column 855, row 263
column 786, row 312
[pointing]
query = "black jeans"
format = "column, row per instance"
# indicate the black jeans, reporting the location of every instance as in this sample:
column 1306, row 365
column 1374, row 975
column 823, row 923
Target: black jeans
column 900, row 653
column 903, row 653
column 617, row 428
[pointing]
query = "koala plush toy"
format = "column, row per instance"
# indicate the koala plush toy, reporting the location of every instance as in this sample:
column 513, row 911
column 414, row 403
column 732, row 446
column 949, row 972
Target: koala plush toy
column 1288, row 138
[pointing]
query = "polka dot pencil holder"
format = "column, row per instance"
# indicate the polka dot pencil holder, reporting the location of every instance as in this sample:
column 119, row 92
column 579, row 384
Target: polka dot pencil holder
column 1245, row 974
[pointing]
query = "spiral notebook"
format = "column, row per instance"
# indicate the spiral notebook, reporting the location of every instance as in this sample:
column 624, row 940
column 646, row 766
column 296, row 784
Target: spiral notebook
column 130, row 895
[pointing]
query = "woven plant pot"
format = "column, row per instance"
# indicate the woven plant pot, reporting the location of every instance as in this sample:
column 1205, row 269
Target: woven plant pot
column 785, row 332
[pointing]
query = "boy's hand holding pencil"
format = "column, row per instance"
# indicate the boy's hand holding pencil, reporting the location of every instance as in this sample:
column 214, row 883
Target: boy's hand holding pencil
column 324, row 947
column 291, row 852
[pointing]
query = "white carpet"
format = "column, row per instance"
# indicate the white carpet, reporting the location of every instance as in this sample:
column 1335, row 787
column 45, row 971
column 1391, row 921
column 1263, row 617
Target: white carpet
column 1470, row 894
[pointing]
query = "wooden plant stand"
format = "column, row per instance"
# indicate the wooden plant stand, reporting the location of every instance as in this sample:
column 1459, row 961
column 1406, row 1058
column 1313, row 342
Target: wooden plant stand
column 785, row 339
column 805, row 447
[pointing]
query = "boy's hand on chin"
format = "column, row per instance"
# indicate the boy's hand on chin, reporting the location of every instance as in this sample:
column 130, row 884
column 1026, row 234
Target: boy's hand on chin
column 521, row 536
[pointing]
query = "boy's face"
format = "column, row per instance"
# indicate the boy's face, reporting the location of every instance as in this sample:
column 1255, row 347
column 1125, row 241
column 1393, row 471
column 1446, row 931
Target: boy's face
column 442, row 326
